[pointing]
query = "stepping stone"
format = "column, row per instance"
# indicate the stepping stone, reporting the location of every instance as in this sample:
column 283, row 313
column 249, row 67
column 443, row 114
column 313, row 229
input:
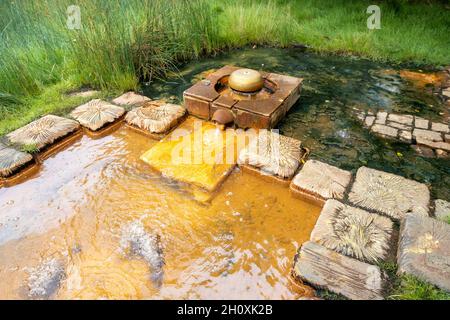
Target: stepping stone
column 389, row 194
column 401, row 118
column 155, row 117
column 440, row 127
column 429, row 135
column 84, row 93
column 320, row 180
column 421, row 123
column 424, row 249
column 324, row 268
column 131, row 99
column 11, row 160
column 353, row 232
column 96, row 114
column 272, row 154
column 381, row 117
column 384, row 131
column 43, row 132
column 442, row 210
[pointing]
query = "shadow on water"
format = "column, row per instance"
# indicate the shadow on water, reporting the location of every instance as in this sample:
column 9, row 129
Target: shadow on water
column 323, row 118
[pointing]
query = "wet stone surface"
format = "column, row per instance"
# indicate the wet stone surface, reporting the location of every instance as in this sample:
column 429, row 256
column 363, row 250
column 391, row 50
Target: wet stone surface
column 321, row 179
column 353, row 232
column 442, row 210
column 389, row 194
column 131, row 99
column 325, row 268
column 424, row 249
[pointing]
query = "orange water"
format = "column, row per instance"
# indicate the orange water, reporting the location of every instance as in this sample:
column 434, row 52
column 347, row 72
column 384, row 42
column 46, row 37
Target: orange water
column 240, row 246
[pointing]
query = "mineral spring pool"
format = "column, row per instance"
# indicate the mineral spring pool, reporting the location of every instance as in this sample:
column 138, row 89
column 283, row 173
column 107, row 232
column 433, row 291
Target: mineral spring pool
column 74, row 212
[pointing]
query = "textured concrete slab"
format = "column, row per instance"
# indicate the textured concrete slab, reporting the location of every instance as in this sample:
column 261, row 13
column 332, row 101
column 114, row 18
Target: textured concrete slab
column 11, row 160
column 401, row 118
column 131, row 99
column 421, row 123
column 440, row 127
column 324, row 268
column 384, row 131
column 321, row 179
column 156, row 116
column 353, row 232
column 381, row 117
column 442, row 210
column 429, row 135
column 273, row 154
column 424, row 249
column 96, row 114
column 43, row 132
column 389, row 194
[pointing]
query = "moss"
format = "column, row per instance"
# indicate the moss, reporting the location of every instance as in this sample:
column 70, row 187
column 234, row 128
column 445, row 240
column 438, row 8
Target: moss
column 29, row 148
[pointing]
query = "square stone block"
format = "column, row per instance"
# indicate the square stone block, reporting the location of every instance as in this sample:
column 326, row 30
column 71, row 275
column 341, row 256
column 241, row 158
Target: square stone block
column 424, row 249
column 326, row 269
column 11, row 160
column 353, row 232
column 321, row 180
column 381, row 117
column 155, row 117
column 421, row 123
column 43, row 132
column 401, row 118
column 201, row 163
column 429, row 135
column 384, row 131
column 131, row 99
column 96, row 114
column 442, row 209
column 389, row 194
column 440, row 127
column 273, row 154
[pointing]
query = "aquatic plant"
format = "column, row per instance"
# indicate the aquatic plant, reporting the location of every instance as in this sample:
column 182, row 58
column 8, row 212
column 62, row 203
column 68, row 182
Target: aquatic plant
column 155, row 116
column 96, row 113
column 137, row 242
column 44, row 279
column 43, row 131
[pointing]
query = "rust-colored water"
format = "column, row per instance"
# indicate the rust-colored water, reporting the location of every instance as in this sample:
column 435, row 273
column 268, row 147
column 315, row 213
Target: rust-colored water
column 240, row 246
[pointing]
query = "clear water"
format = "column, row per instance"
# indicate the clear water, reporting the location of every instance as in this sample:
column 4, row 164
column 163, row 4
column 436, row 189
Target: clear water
column 323, row 117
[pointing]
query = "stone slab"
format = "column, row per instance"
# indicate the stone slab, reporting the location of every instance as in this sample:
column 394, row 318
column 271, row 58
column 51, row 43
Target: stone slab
column 405, row 136
column 440, row 127
column 401, row 118
column 131, row 99
column 43, row 132
column 442, row 209
column 424, row 249
column 398, row 125
column 324, row 268
column 353, row 232
column 273, row 154
column 369, row 120
column 435, row 145
column 11, row 160
column 321, row 179
column 389, row 194
column 384, row 131
column 96, row 114
column 427, row 135
column 421, row 123
column 381, row 117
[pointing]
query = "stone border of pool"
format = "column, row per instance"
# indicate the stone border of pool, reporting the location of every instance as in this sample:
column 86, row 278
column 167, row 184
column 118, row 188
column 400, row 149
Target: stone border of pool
column 423, row 248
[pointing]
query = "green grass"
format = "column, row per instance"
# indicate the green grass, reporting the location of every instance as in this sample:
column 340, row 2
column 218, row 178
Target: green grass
column 408, row 287
column 123, row 43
